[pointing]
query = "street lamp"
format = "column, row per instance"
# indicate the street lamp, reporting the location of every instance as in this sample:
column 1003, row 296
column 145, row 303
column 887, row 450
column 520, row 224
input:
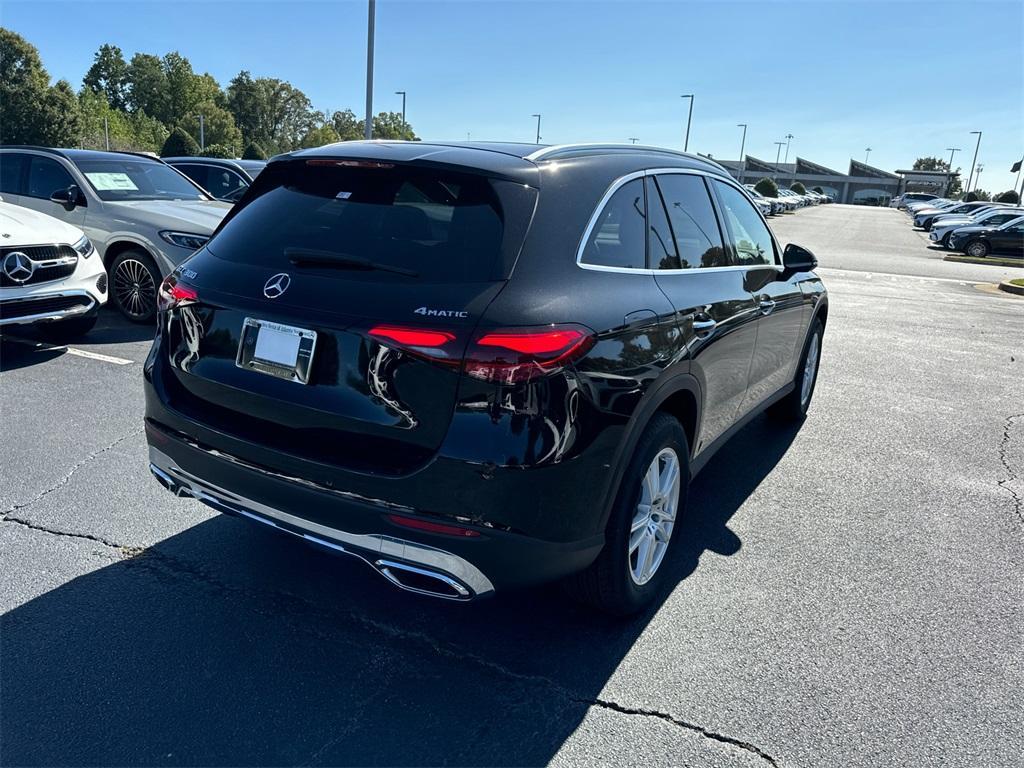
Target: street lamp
column 368, row 125
column 689, row 119
column 778, row 152
column 634, row 139
column 974, row 161
column 743, row 145
column 402, row 94
column 789, row 137
column 538, row 128
column 867, row 154
column 949, row 183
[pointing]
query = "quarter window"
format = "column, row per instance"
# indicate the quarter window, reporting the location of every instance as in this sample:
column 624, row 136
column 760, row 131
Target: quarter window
column 618, row 239
column 11, row 168
column 750, row 235
column 694, row 226
column 46, row 176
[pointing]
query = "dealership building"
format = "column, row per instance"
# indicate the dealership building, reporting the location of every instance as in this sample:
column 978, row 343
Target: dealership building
column 862, row 184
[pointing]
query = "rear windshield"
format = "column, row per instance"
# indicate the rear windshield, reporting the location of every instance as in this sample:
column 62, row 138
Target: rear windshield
column 440, row 226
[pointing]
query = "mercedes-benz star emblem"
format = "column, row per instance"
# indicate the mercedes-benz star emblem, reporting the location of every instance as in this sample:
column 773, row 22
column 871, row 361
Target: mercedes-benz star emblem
column 18, row 266
column 276, row 285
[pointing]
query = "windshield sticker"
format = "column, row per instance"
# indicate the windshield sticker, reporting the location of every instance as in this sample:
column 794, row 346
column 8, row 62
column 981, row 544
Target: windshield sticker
column 108, row 181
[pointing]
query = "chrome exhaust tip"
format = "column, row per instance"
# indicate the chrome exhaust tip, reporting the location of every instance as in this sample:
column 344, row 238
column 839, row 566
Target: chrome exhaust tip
column 412, row 578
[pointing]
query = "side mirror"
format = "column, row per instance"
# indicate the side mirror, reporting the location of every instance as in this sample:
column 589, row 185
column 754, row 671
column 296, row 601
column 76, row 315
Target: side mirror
column 69, row 198
column 798, row 259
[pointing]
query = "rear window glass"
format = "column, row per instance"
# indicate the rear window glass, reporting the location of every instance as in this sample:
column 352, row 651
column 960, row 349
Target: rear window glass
column 444, row 227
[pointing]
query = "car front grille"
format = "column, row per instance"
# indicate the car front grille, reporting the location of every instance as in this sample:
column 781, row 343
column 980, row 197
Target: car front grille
column 44, row 305
column 41, row 274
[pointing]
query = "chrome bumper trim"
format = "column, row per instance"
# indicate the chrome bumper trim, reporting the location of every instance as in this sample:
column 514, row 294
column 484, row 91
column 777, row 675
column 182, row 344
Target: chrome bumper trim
column 380, row 551
column 62, row 314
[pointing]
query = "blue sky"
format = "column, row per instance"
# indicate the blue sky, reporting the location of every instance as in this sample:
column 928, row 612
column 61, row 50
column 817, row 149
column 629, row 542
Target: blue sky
column 905, row 78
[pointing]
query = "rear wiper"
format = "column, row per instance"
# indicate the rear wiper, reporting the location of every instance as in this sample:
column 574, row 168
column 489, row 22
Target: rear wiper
column 314, row 257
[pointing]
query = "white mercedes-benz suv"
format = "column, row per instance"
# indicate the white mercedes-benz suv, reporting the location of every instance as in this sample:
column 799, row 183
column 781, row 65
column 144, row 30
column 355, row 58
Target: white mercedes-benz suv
column 50, row 274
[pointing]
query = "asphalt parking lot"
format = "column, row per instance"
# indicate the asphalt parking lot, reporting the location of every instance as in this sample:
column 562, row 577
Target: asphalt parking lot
column 848, row 593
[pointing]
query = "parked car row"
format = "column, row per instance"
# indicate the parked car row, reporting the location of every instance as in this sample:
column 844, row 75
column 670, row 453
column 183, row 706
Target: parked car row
column 978, row 228
column 140, row 215
column 788, row 200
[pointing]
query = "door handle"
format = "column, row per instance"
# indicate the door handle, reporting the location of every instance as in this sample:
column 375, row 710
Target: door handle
column 766, row 305
column 703, row 328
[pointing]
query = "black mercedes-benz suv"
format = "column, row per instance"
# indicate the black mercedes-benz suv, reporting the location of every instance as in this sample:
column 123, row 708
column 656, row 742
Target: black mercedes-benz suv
column 478, row 366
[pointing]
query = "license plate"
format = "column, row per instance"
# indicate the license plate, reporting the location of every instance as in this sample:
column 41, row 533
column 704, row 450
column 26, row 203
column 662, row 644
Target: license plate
column 278, row 350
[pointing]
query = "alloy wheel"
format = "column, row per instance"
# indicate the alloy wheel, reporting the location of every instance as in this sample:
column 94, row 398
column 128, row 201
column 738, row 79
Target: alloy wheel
column 810, row 369
column 977, row 249
column 655, row 516
column 134, row 288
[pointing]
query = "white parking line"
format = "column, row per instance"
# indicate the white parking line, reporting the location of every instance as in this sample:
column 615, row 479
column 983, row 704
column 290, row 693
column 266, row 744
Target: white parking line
column 71, row 351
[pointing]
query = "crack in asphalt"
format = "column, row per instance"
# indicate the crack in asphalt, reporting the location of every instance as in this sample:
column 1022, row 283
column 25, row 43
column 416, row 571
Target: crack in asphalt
column 290, row 605
column 708, row 734
column 1004, row 445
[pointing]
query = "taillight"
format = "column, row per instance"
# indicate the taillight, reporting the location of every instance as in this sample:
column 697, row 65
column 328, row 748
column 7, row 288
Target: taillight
column 510, row 356
column 505, row 356
column 174, row 293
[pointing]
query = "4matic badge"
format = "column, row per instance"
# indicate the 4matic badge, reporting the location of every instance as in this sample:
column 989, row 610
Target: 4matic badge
column 441, row 312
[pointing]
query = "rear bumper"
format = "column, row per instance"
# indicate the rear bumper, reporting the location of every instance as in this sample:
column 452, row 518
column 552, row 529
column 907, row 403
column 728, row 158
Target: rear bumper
column 440, row 565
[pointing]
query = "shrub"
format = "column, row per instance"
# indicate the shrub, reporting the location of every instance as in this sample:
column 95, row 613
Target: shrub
column 977, row 194
column 767, row 187
column 253, row 151
column 819, row 190
column 799, row 188
column 179, row 144
column 1010, row 196
column 218, row 150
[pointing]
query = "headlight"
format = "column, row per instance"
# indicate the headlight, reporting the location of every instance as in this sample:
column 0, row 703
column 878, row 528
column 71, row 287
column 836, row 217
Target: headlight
column 185, row 239
column 83, row 247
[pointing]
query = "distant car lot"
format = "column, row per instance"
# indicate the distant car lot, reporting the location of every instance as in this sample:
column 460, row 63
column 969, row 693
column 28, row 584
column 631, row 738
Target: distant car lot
column 849, row 592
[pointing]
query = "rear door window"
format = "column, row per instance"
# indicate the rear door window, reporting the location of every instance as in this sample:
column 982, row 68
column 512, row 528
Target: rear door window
column 619, row 236
column 442, row 226
column 694, row 225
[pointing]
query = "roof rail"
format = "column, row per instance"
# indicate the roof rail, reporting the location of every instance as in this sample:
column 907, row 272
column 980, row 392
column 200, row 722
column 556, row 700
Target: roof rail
column 60, row 151
column 569, row 150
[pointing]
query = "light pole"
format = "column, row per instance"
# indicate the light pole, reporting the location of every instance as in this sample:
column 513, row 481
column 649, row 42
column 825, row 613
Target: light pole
column 952, row 151
column 974, row 161
column 778, row 152
column 689, row 119
column 538, row 128
column 789, row 137
column 371, row 13
column 202, row 132
column 977, row 175
column 634, row 139
column 743, row 145
column 867, row 154
column 402, row 94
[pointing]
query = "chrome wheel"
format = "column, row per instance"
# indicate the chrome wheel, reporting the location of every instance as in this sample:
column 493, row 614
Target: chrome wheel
column 810, row 368
column 655, row 515
column 134, row 288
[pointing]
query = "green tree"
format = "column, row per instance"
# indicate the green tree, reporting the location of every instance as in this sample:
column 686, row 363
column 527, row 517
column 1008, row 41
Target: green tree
column 218, row 150
column 347, row 125
column 269, row 111
column 60, row 121
column 147, row 86
column 253, row 151
column 23, row 86
column 317, row 137
column 977, row 194
column 179, row 144
column 930, row 164
column 109, row 75
column 389, row 125
column 799, row 188
column 767, row 187
column 185, row 89
column 1009, row 196
column 218, row 125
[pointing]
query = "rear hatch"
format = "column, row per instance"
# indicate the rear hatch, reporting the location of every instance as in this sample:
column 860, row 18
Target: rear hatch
column 328, row 317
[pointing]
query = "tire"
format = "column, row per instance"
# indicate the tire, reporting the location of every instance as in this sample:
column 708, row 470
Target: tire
column 134, row 279
column 68, row 329
column 976, row 248
column 793, row 407
column 616, row 583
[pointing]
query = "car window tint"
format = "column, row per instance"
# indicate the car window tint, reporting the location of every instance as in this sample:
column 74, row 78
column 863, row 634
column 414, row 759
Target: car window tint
column 11, row 167
column 223, row 182
column 749, row 234
column 694, row 225
column 195, row 172
column 661, row 248
column 619, row 236
column 46, row 176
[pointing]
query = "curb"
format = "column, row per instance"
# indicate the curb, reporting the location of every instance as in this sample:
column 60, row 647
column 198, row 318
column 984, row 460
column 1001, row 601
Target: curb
column 1009, row 287
column 992, row 260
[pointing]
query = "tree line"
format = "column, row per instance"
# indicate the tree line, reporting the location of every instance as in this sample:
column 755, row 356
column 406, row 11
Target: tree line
column 151, row 103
